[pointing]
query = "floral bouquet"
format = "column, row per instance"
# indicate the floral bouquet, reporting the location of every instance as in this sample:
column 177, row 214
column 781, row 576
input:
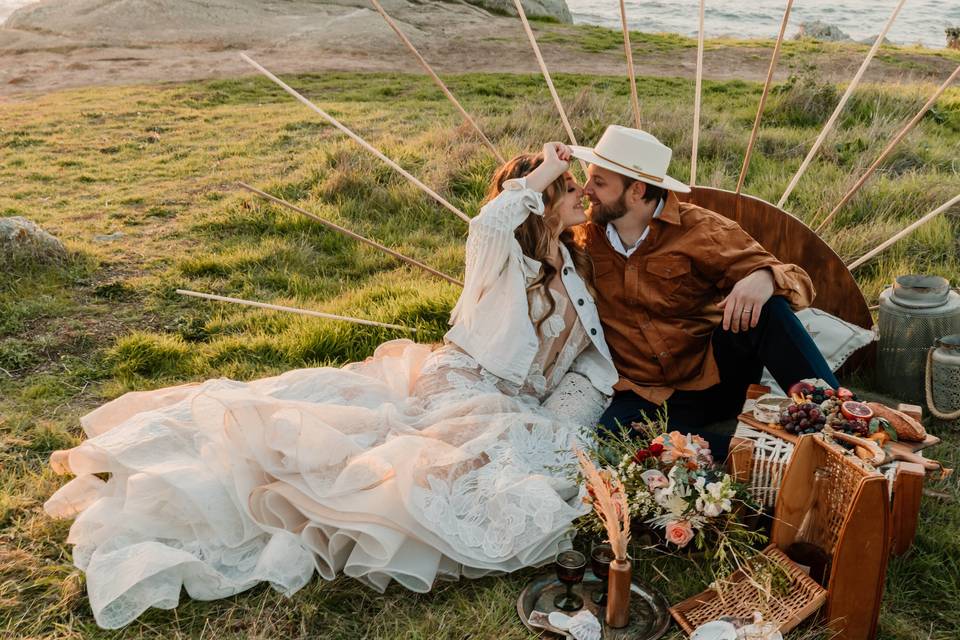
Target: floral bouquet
column 671, row 484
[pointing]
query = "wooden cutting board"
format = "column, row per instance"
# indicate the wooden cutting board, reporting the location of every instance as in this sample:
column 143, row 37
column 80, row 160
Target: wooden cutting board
column 908, row 447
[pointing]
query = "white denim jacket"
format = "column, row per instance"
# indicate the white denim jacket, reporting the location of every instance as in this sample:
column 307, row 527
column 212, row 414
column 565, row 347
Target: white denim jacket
column 491, row 320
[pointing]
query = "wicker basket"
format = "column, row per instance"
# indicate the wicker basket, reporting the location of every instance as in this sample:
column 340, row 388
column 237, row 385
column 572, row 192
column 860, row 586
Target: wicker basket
column 854, row 527
column 759, row 456
column 742, row 598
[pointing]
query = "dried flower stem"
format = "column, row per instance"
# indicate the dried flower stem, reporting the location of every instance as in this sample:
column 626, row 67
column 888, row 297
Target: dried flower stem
column 605, row 503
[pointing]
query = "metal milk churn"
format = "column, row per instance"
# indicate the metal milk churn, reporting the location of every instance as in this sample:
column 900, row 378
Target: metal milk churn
column 943, row 380
column 914, row 313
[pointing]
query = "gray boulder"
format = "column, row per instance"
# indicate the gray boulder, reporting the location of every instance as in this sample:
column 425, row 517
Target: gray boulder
column 22, row 241
column 873, row 39
column 819, row 30
column 552, row 9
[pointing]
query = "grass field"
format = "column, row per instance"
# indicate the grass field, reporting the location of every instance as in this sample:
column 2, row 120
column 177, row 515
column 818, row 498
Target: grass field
column 159, row 165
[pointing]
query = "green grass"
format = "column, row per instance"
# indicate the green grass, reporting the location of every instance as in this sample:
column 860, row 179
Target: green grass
column 159, row 164
column 593, row 39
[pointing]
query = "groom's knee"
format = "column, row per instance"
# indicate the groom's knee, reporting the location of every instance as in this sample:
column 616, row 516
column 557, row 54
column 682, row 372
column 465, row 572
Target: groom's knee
column 775, row 309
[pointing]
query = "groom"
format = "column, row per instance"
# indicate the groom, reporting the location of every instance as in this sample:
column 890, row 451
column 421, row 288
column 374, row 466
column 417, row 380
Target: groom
column 693, row 308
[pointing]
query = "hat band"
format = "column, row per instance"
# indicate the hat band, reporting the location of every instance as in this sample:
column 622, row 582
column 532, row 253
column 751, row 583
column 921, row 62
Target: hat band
column 648, row 176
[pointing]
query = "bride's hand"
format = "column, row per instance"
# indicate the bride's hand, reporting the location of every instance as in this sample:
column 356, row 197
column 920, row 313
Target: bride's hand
column 557, row 154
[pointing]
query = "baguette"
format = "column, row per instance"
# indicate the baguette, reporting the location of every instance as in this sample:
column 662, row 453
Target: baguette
column 907, row 428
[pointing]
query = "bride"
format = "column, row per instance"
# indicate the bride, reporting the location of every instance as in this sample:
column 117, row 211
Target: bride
column 417, row 464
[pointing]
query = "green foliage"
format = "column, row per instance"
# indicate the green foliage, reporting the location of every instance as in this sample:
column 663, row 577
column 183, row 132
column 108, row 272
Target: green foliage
column 804, row 101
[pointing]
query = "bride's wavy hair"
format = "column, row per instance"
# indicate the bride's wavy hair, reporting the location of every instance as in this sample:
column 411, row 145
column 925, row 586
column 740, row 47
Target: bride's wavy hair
column 535, row 232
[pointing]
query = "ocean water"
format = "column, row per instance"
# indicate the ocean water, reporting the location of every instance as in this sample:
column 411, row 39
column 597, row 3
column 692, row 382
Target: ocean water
column 919, row 22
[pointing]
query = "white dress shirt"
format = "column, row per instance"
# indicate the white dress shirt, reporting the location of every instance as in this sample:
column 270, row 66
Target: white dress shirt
column 617, row 243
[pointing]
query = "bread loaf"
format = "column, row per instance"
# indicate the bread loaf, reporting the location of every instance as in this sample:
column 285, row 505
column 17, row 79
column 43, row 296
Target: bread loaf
column 906, row 427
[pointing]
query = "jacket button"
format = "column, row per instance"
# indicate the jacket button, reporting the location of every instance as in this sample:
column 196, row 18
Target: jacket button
column 566, row 270
column 580, row 302
column 593, row 332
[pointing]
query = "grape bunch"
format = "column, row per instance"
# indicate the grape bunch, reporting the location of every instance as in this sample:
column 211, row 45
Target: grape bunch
column 803, row 418
column 857, row 428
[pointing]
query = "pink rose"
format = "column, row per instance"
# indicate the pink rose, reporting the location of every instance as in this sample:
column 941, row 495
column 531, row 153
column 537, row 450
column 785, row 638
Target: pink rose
column 679, row 532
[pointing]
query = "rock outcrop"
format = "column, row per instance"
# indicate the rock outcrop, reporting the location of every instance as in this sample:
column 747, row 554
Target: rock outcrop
column 818, row 30
column 23, row 242
column 241, row 23
column 551, row 9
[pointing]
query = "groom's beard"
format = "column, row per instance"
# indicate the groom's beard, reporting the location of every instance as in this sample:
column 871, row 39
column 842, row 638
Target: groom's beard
column 606, row 213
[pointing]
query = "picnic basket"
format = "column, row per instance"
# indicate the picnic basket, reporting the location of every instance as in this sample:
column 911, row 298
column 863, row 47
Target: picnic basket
column 855, row 528
column 759, row 455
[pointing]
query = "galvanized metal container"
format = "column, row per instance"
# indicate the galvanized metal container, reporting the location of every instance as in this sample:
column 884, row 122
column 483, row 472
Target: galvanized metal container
column 914, row 313
column 943, row 380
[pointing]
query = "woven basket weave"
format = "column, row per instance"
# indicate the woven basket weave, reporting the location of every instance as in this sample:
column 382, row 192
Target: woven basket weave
column 741, row 598
column 853, row 525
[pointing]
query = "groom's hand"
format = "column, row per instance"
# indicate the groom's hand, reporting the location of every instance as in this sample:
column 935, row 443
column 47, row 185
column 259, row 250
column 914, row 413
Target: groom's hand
column 741, row 309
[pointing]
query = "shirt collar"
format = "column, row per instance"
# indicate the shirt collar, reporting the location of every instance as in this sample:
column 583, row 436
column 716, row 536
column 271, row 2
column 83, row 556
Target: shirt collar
column 617, row 243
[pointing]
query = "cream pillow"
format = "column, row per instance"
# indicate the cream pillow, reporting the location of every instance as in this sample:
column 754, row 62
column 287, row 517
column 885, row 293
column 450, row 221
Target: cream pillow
column 835, row 338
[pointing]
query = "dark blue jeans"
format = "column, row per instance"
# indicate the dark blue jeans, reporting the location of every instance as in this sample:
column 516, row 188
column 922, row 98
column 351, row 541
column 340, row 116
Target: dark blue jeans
column 778, row 342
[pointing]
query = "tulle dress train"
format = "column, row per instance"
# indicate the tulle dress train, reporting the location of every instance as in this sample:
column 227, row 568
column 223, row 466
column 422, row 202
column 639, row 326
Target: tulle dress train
column 412, row 466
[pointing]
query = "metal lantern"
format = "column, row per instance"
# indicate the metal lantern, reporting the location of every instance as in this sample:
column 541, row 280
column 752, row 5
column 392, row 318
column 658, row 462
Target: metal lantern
column 943, row 380
column 914, row 313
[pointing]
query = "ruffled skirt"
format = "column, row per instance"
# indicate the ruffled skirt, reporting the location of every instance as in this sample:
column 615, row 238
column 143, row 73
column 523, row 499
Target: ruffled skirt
column 411, row 466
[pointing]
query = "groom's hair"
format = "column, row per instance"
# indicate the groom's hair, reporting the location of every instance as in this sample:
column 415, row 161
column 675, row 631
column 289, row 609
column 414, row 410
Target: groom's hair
column 653, row 193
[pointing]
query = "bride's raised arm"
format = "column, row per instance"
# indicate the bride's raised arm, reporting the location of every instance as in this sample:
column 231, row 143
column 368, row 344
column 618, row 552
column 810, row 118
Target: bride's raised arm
column 490, row 240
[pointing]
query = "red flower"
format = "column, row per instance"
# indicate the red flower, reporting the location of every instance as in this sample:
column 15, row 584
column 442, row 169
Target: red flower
column 656, row 449
column 641, row 455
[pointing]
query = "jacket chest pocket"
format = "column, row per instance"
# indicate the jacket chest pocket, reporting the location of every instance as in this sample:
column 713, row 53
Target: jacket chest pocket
column 666, row 282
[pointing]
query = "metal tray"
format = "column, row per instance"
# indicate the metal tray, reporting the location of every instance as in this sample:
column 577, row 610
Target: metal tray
column 649, row 611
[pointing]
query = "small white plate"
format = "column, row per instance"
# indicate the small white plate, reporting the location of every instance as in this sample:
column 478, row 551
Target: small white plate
column 714, row 630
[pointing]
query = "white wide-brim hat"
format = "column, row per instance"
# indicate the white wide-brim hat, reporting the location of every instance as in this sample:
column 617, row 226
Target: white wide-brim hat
column 633, row 153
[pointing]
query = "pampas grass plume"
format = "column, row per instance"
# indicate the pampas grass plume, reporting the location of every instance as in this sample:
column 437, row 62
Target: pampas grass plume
column 606, row 500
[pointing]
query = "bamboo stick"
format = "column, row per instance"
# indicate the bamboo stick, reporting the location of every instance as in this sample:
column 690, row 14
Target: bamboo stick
column 438, row 81
column 840, row 105
column 363, row 143
column 905, row 232
column 634, row 100
column 889, row 148
column 347, row 232
column 763, row 97
column 696, row 101
column 304, row 312
column 546, row 76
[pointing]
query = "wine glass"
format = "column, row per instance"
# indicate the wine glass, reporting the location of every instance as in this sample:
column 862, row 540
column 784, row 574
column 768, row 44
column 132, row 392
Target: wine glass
column 571, row 566
column 600, row 558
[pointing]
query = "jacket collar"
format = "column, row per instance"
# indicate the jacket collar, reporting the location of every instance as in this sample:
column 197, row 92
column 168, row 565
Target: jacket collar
column 671, row 209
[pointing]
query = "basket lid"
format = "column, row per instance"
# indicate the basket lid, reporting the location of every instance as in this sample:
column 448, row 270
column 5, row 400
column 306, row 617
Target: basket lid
column 951, row 342
column 920, row 292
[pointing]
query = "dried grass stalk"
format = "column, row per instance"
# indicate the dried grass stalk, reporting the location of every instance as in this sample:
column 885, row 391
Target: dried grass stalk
column 610, row 503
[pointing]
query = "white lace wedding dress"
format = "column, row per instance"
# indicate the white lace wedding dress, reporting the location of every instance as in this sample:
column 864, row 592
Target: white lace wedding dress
column 411, row 466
